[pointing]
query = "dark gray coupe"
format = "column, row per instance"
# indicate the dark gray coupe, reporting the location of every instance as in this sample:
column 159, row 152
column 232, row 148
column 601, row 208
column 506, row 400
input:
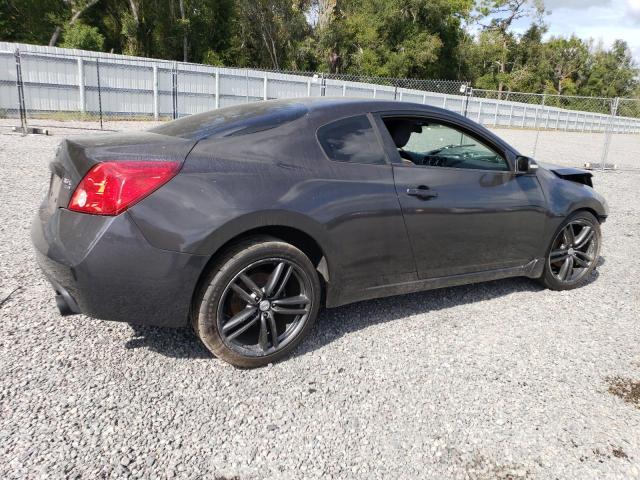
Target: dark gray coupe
column 247, row 220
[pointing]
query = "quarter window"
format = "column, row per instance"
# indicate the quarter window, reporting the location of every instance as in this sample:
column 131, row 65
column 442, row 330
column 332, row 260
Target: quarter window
column 351, row 140
column 429, row 143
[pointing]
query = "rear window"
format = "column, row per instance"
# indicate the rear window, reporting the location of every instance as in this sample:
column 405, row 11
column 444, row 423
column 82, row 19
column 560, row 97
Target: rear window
column 235, row 120
column 351, row 140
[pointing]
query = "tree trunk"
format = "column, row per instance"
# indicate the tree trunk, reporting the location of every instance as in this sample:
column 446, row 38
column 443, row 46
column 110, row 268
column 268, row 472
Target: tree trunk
column 55, row 36
column 134, row 12
column 503, row 66
column 58, row 30
column 185, row 40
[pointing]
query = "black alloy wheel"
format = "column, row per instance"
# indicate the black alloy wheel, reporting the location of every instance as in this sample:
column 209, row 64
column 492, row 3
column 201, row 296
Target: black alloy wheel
column 258, row 302
column 264, row 307
column 574, row 252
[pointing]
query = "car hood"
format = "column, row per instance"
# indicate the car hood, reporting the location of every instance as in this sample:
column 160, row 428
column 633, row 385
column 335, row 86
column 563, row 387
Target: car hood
column 577, row 175
column 563, row 170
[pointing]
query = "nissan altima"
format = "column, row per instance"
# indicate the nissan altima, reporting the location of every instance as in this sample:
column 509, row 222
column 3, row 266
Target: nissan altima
column 247, row 220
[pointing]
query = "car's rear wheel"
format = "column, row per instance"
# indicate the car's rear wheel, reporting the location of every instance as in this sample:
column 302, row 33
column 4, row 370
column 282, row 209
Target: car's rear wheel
column 258, row 302
column 573, row 253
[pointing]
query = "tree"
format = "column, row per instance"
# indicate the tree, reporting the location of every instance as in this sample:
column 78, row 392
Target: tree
column 30, row 21
column 268, row 32
column 393, row 37
column 611, row 73
column 78, row 7
column 84, row 37
column 486, row 59
column 566, row 58
column 501, row 15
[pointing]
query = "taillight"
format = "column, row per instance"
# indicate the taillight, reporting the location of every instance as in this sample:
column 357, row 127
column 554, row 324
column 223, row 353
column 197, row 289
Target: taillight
column 110, row 188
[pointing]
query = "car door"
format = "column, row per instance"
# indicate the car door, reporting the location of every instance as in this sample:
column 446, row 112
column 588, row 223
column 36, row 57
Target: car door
column 353, row 195
column 465, row 208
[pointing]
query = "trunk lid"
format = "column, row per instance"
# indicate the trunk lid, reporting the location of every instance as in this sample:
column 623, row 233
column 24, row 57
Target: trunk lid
column 77, row 155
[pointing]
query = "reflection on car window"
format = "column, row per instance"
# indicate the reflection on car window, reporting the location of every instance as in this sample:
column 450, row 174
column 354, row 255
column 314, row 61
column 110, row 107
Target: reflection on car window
column 428, row 143
column 234, row 120
column 351, row 140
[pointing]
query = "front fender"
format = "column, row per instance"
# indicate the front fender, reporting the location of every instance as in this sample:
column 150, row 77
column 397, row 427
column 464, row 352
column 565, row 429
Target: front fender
column 565, row 196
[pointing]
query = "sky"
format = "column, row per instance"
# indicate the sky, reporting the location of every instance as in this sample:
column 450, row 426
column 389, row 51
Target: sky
column 602, row 20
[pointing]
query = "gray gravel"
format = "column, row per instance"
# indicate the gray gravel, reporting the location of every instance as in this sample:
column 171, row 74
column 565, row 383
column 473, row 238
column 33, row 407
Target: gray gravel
column 498, row 380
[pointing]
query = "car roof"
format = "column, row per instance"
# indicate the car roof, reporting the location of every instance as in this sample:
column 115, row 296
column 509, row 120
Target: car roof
column 258, row 116
column 360, row 104
column 247, row 117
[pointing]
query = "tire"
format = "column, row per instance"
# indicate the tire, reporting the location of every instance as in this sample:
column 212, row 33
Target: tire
column 253, row 285
column 566, row 249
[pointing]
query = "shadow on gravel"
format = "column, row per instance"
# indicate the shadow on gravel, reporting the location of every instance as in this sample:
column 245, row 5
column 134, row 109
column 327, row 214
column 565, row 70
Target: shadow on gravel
column 335, row 323
column 171, row 342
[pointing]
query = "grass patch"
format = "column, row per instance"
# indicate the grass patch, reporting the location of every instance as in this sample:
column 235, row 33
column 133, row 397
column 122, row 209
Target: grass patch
column 63, row 116
column 626, row 389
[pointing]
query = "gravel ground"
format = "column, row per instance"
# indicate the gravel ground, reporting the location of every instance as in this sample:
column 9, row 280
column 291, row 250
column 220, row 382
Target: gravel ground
column 498, row 380
column 575, row 148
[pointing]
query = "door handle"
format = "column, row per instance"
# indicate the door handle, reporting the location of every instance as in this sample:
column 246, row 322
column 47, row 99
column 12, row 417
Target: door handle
column 422, row 191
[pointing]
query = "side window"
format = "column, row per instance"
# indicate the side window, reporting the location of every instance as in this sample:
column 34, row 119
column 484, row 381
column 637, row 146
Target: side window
column 429, row 143
column 351, row 140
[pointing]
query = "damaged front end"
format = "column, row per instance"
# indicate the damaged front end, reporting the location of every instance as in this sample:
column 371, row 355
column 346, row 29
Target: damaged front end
column 577, row 175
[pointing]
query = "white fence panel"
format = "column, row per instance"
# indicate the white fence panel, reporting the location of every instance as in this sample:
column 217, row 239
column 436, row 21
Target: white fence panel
column 63, row 81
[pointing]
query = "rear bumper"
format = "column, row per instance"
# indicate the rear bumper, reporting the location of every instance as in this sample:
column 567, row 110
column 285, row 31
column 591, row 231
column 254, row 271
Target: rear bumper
column 103, row 267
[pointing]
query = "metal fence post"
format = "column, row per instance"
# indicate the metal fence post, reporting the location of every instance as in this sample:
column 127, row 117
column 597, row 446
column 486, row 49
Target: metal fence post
column 609, row 131
column 217, row 88
column 156, row 98
column 174, row 90
column 81, row 84
column 246, row 88
column 99, row 90
column 81, row 89
column 468, row 92
column 323, row 86
column 535, row 142
column 264, row 96
column 20, row 86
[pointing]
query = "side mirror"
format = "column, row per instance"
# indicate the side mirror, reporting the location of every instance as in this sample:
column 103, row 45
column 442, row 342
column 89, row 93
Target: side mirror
column 526, row 165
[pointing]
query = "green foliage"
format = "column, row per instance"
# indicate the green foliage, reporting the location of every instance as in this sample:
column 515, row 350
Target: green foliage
column 269, row 33
column 391, row 38
column 398, row 38
column 83, row 37
column 29, row 21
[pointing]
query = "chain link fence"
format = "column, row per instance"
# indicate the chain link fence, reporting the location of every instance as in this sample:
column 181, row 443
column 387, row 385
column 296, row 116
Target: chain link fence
column 79, row 87
column 45, row 87
column 595, row 132
column 76, row 85
column 624, row 146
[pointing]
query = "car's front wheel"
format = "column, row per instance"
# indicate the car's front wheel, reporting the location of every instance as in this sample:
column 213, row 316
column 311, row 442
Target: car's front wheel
column 573, row 253
column 258, row 302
